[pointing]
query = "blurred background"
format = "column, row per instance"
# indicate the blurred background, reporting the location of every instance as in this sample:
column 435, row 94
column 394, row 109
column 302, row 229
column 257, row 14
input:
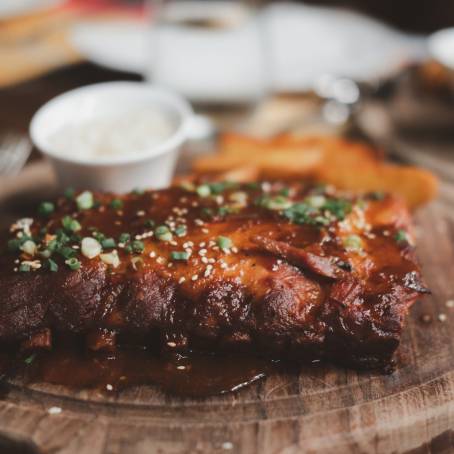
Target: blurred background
column 371, row 69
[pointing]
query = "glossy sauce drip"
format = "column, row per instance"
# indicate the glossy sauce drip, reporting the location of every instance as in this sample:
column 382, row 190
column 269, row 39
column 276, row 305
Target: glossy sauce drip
column 194, row 374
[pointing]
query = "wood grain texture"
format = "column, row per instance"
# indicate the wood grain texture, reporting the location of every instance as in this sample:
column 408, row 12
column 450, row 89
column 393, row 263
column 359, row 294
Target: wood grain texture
column 320, row 409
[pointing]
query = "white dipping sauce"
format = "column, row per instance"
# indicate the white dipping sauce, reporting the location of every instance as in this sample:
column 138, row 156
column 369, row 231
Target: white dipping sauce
column 129, row 132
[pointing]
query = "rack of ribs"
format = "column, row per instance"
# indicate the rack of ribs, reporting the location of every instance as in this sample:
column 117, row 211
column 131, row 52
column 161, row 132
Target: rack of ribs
column 286, row 270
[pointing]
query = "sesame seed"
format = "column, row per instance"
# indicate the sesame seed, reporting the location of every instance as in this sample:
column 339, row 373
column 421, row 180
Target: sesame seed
column 181, row 367
column 204, row 260
column 109, row 387
column 442, row 317
column 206, row 231
column 181, row 280
column 140, row 213
column 152, row 254
column 199, row 222
column 54, row 410
column 227, row 445
column 171, row 344
column 195, row 277
column 450, row 303
column 202, row 252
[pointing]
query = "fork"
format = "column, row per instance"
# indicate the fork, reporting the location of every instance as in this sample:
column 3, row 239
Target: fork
column 14, row 152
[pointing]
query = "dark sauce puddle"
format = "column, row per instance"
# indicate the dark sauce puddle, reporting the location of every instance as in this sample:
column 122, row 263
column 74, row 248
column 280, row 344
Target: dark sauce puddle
column 192, row 375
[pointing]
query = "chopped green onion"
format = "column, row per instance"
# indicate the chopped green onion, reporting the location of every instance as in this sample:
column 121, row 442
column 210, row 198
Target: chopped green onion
column 73, row 263
column 128, row 249
column 187, row 186
column 111, row 259
column 124, row 238
column 224, row 242
column 45, row 253
column 284, row 192
column 14, row 245
column 71, row 224
column 163, row 233
column 227, row 209
column 30, row 359
column 179, row 255
column 401, row 236
column 138, row 246
column 207, row 212
column 29, row 247
column 252, row 185
column 116, row 204
column 61, row 236
column 353, row 242
column 66, row 252
column 149, row 223
column 24, row 267
column 46, row 208
column 90, row 247
column 181, row 230
column 85, row 200
column 338, row 207
column 52, row 265
column 108, row 243
column 69, row 193
column 99, row 236
column 203, row 190
column 277, row 203
column 316, row 201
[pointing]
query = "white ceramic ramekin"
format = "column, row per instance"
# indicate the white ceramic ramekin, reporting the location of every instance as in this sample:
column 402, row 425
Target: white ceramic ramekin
column 152, row 168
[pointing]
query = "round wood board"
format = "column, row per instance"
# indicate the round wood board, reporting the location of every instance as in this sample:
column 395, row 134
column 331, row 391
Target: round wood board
column 322, row 409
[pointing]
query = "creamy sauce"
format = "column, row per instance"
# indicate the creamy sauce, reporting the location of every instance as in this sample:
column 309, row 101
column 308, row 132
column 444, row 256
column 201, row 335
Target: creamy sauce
column 131, row 132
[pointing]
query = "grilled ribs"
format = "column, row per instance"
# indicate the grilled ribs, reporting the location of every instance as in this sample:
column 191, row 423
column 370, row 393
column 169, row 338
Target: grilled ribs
column 281, row 269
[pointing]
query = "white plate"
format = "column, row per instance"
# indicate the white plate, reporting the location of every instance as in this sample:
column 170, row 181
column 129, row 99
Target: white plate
column 441, row 47
column 304, row 42
column 13, row 8
column 117, row 44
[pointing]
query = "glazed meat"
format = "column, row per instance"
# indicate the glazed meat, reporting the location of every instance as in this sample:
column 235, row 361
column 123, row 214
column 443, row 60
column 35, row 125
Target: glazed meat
column 284, row 270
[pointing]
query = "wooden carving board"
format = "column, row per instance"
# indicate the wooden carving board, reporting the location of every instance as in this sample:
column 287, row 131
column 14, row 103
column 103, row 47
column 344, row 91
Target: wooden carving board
column 322, row 409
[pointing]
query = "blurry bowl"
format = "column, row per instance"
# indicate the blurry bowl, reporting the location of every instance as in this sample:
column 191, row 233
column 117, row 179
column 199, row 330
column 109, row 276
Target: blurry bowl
column 150, row 168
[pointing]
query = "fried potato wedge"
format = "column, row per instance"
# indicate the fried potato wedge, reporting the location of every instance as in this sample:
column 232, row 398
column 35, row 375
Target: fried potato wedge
column 343, row 163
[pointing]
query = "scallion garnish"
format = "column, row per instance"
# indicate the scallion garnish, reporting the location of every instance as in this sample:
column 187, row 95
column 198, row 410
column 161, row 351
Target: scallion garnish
column 138, row 246
column 179, row 255
column 85, row 200
column 108, row 243
column 71, row 224
column 24, row 268
column 46, row 208
column 224, row 242
column 116, row 204
column 52, row 265
column 73, row 263
column 163, row 233
column 203, row 190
